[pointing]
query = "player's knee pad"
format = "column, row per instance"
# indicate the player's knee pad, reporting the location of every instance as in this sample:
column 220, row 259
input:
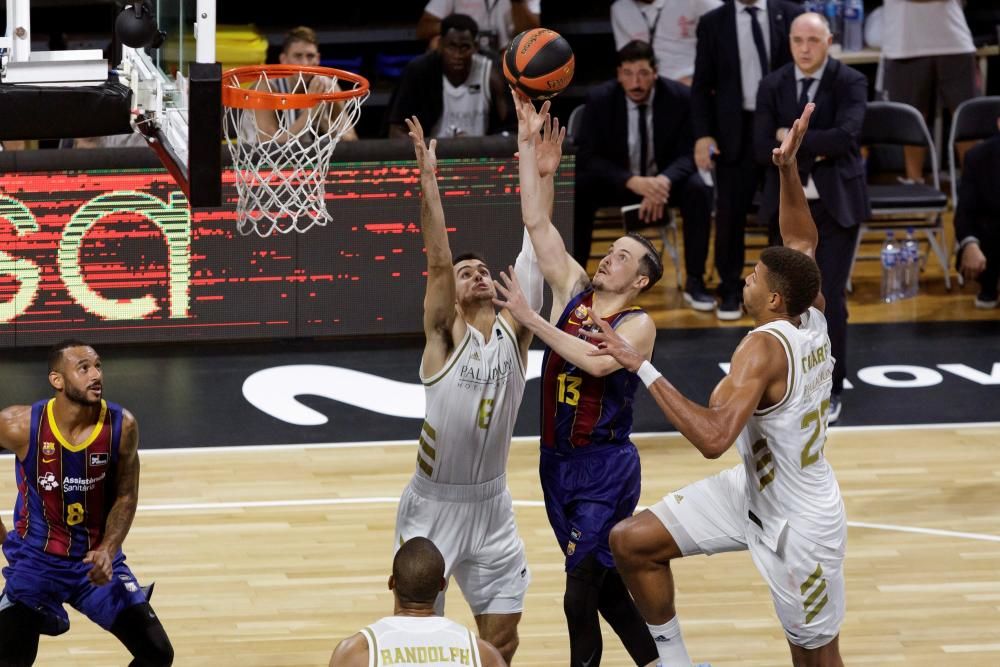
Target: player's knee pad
column 20, row 628
column 143, row 635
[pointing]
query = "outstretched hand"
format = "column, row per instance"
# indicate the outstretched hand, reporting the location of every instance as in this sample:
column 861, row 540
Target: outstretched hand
column 610, row 343
column 548, row 147
column 511, row 296
column 426, row 156
column 784, row 155
column 529, row 120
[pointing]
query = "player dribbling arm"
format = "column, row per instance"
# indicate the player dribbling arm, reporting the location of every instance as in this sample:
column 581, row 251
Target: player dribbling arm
column 122, row 511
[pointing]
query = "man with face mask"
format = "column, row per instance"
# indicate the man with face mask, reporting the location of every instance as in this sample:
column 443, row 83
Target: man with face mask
column 77, row 465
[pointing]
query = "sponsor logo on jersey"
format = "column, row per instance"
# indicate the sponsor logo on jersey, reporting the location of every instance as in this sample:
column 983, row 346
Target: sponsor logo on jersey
column 48, row 448
column 45, row 460
column 99, row 459
column 82, row 483
column 48, row 481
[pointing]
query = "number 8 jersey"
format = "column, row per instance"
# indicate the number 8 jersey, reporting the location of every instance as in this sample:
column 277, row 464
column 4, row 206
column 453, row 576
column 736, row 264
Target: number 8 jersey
column 65, row 491
column 788, row 477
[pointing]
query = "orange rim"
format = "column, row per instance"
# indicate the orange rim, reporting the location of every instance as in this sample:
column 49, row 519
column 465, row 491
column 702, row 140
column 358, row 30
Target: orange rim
column 246, row 98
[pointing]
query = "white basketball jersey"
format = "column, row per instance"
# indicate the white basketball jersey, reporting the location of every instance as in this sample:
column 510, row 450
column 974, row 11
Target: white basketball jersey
column 424, row 640
column 467, row 105
column 472, row 405
column 788, row 477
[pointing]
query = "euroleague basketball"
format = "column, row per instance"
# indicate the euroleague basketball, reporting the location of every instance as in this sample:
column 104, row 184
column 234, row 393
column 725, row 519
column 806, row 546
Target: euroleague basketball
column 539, row 63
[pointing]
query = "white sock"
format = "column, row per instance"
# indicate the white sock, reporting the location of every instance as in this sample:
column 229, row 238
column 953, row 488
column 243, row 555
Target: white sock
column 670, row 644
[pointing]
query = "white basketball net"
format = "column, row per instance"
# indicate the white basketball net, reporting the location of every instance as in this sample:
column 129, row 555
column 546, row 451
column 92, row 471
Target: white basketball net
column 281, row 175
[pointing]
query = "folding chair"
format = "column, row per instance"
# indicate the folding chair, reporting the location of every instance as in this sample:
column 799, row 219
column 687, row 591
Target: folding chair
column 667, row 231
column 898, row 206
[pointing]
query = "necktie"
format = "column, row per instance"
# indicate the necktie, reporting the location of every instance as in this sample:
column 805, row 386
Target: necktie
column 758, row 39
column 804, row 95
column 643, row 141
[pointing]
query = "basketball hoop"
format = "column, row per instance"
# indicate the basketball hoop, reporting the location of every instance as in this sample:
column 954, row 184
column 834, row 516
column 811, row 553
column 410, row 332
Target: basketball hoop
column 281, row 171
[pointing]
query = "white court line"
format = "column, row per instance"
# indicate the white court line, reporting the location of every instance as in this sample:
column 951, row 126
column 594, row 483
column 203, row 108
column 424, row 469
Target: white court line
column 209, row 508
column 533, row 439
column 517, row 440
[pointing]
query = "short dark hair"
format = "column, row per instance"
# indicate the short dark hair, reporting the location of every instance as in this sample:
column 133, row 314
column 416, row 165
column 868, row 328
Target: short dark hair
column 637, row 50
column 793, row 275
column 56, row 351
column 417, row 571
column 461, row 257
column 299, row 34
column 459, row 23
column 650, row 263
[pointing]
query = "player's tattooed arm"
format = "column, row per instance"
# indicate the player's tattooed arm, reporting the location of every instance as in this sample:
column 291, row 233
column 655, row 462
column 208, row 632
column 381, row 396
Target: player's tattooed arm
column 123, row 509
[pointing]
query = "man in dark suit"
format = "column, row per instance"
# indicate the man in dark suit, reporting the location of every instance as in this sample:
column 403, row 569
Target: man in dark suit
column 830, row 164
column 738, row 44
column 635, row 147
column 977, row 220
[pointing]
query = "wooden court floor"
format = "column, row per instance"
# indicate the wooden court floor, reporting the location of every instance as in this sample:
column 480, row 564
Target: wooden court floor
column 267, row 556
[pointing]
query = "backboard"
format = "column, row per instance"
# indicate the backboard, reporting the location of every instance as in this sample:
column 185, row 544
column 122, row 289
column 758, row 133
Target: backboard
column 169, row 92
column 177, row 96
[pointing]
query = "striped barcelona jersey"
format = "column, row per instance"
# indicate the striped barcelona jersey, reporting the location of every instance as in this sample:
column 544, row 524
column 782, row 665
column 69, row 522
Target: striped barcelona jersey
column 65, row 491
column 579, row 410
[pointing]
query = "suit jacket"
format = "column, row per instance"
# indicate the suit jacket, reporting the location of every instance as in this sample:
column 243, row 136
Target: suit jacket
column 834, row 132
column 603, row 136
column 978, row 212
column 717, row 88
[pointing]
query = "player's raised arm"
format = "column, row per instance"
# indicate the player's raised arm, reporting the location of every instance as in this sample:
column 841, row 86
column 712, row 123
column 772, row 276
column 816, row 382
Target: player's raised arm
column 15, row 432
column 561, row 271
column 798, row 230
column 122, row 509
column 439, row 297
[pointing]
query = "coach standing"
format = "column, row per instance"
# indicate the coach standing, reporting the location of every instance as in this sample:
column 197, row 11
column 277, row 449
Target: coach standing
column 829, row 161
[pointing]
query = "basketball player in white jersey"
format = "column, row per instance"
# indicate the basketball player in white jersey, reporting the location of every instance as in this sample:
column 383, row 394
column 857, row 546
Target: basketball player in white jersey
column 782, row 503
column 473, row 370
column 414, row 634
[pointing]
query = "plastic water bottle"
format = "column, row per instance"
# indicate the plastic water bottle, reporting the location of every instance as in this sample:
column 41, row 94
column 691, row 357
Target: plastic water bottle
column 911, row 264
column 891, row 269
column 834, row 12
column 854, row 25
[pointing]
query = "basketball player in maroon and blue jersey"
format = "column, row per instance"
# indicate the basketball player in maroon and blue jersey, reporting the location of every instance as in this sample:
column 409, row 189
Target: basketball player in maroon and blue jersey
column 77, row 471
column 589, row 468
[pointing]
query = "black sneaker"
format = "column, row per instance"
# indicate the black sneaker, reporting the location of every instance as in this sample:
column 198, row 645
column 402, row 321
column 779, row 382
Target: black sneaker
column 696, row 297
column 730, row 309
column 835, row 407
column 986, row 301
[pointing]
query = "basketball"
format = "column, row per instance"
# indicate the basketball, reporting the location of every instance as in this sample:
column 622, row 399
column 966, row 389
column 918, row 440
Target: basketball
column 539, row 63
